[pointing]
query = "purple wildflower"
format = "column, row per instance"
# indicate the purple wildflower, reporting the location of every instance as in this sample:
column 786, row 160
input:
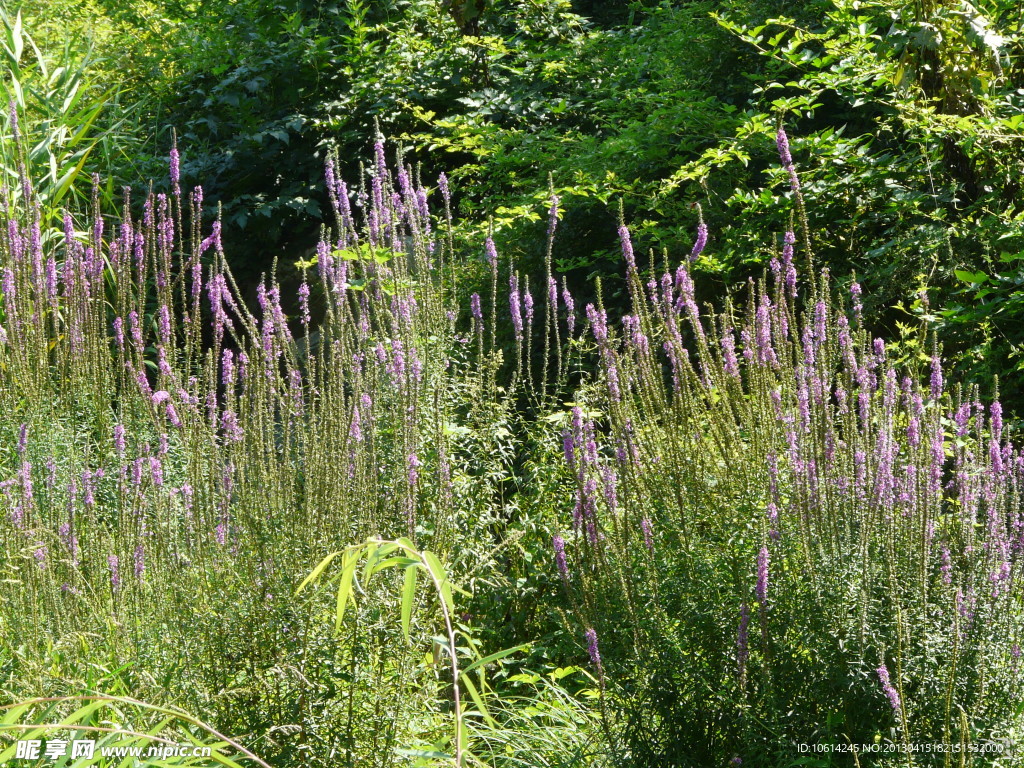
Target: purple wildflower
column 553, row 216
column 304, row 303
column 67, row 535
column 558, row 544
column 140, row 561
column 414, row 465
column 515, row 308
column 233, row 432
column 782, row 142
column 936, row 378
column 592, row 650
column 761, row 590
column 892, row 693
column 175, row 170
column 627, row 248
column 570, row 309
column 113, row 563
column 729, row 361
column 742, row 647
column 702, row 240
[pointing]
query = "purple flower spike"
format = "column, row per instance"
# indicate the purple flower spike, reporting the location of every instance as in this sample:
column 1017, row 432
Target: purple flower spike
column 558, row 544
column 113, row 563
column 140, row 561
column 761, row 590
column 515, row 307
column 304, row 303
column 553, row 216
column 627, row 247
column 702, row 240
column 892, row 693
column 782, row 142
column 414, row 465
column 175, row 170
column 936, row 378
column 570, row 309
column 595, row 654
column 492, row 253
column 742, row 648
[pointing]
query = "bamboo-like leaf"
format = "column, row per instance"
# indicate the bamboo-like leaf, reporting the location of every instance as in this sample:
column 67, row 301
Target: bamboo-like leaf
column 40, row 60
column 474, row 694
column 370, row 556
column 441, row 577
column 84, row 119
column 495, row 657
column 400, row 561
column 19, row 93
column 408, row 595
column 317, row 571
column 17, row 39
column 68, row 179
column 71, row 95
column 348, row 570
column 14, row 714
column 80, row 714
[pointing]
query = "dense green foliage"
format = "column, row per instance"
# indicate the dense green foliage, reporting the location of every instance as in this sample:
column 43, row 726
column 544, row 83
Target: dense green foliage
column 905, row 117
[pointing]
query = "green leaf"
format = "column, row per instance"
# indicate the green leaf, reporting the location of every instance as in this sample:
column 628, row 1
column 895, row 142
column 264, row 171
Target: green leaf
column 441, row 577
column 68, row 179
column 17, row 38
column 495, row 657
column 348, row 569
column 467, row 683
column 317, row 571
column 970, row 277
column 401, row 561
column 408, row 595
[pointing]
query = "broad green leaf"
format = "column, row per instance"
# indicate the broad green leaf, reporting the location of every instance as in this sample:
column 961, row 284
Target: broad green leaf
column 970, row 277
